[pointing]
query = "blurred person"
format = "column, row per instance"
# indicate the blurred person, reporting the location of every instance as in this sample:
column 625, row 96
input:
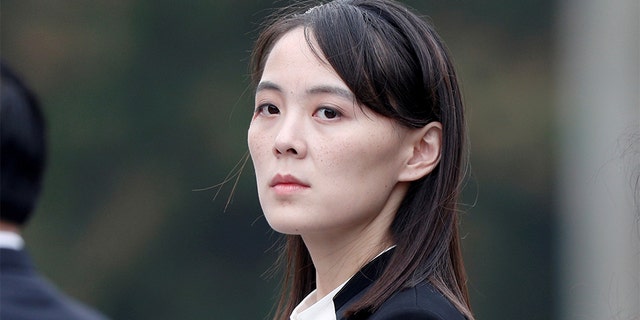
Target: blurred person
column 357, row 142
column 24, row 293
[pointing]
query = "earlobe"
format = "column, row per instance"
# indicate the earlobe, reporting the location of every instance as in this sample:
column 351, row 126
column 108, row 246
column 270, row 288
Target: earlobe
column 427, row 145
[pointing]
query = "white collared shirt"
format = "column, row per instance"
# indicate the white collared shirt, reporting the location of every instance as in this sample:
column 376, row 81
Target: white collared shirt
column 11, row 240
column 322, row 309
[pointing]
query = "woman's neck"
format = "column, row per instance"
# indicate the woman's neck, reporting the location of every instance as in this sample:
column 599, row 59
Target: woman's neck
column 338, row 254
column 338, row 257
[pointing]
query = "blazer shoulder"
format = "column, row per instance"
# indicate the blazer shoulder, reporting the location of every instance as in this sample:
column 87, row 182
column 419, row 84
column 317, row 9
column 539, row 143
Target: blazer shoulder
column 25, row 294
column 422, row 302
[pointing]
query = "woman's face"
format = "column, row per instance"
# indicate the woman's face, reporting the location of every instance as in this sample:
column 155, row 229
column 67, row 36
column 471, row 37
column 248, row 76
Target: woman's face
column 323, row 164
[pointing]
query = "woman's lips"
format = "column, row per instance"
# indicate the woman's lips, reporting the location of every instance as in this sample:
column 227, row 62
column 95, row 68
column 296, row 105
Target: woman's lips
column 286, row 184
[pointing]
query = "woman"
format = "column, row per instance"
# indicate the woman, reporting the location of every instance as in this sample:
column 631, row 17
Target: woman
column 357, row 144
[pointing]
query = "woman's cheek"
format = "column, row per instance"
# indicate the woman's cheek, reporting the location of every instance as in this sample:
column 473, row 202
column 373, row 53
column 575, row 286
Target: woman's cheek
column 256, row 144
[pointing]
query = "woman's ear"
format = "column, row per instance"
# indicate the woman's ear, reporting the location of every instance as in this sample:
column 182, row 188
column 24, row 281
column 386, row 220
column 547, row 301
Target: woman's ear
column 427, row 144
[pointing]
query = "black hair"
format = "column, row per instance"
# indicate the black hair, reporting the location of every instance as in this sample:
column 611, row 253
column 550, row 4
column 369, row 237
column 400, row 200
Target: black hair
column 23, row 149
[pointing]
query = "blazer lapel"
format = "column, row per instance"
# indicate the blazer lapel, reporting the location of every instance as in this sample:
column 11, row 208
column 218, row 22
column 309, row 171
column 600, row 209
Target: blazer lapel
column 356, row 287
column 15, row 261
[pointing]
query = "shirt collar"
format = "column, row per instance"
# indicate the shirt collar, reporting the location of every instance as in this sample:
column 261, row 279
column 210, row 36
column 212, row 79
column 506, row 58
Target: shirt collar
column 321, row 309
column 11, row 240
column 312, row 309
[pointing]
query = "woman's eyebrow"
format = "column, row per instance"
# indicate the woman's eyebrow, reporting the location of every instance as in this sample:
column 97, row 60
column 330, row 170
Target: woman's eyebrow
column 331, row 90
column 267, row 85
column 321, row 89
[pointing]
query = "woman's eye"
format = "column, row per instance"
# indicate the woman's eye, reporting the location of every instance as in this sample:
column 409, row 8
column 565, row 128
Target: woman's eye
column 267, row 109
column 326, row 113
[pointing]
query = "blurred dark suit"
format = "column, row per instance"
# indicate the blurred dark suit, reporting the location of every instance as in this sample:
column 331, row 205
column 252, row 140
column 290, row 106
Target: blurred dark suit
column 24, row 294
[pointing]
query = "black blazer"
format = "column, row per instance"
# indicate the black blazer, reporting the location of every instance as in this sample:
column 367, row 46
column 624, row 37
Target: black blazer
column 24, row 294
column 421, row 302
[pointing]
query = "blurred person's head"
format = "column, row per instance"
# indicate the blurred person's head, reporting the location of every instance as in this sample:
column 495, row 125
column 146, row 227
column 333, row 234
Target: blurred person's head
column 23, row 150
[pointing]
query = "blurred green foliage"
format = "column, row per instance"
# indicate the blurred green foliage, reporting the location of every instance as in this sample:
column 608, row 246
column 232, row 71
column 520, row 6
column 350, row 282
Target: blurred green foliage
column 149, row 100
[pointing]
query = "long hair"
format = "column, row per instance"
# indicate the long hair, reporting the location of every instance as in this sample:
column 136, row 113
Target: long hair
column 396, row 65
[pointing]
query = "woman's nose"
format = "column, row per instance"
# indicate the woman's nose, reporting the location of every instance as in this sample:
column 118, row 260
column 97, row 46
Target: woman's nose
column 290, row 140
